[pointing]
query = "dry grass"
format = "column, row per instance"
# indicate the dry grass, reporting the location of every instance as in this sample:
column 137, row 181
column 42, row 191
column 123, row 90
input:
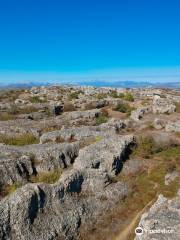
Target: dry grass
column 46, row 177
column 19, row 140
column 6, row 116
column 177, row 107
column 88, row 141
column 68, row 107
column 9, row 189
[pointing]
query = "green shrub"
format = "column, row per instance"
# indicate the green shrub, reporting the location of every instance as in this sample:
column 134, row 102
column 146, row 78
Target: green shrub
column 124, row 108
column 121, row 95
column 73, row 95
column 129, row 97
column 101, row 96
column 36, row 99
column 101, row 119
column 114, row 94
column 19, row 140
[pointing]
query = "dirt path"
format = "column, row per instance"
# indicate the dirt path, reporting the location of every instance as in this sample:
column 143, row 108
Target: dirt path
column 126, row 233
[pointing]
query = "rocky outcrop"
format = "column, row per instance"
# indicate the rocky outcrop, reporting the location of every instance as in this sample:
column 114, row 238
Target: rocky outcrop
column 158, row 124
column 56, row 211
column 171, row 176
column 72, row 134
column 113, row 125
column 162, row 220
column 163, row 105
column 17, row 164
column 89, row 114
column 137, row 114
column 173, row 126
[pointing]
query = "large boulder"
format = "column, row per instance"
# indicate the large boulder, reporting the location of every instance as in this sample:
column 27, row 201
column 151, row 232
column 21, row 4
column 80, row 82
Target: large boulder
column 161, row 221
column 137, row 114
column 173, row 126
column 158, row 124
column 163, row 105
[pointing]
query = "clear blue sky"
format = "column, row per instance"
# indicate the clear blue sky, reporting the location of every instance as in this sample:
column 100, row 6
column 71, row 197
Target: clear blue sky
column 84, row 36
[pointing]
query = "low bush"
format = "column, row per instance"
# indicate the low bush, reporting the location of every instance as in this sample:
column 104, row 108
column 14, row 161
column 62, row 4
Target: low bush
column 124, row 108
column 101, row 96
column 129, row 97
column 73, row 95
column 101, row 119
column 37, row 99
column 114, row 94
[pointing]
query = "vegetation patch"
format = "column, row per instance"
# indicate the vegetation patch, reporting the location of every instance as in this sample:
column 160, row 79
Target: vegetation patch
column 124, row 108
column 128, row 97
column 101, row 96
column 101, row 119
column 19, row 140
column 9, row 189
column 146, row 147
column 37, row 99
column 172, row 153
column 46, row 177
column 73, row 95
column 177, row 107
column 88, row 141
column 6, row 116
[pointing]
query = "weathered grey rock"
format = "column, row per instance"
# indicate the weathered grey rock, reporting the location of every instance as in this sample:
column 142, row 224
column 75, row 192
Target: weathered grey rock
column 163, row 105
column 158, row 124
column 75, row 134
column 21, row 102
column 56, row 211
column 113, row 125
column 106, row 155
column 170, row 177
column 162, row 221
column 19, row 163
column 137, row 114
column 56, row 108
column 89, row 114
column 173, row 126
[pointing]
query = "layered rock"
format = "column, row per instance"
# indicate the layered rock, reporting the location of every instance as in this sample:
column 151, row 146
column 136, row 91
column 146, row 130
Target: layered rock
column 163, row 105
column 18, row 163
column 137, row 114
column 56, row 211
column 173, row 126
column 73, row 134
column 162, row 221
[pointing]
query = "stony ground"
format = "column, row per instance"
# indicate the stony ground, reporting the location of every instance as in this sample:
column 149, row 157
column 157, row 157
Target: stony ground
column 84, row 163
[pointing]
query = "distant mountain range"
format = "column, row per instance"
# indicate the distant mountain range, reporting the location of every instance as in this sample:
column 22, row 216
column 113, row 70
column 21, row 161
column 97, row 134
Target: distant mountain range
column 96, row 83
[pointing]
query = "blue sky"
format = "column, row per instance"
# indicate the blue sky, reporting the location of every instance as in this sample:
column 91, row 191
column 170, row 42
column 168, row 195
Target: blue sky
column 99, row 39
